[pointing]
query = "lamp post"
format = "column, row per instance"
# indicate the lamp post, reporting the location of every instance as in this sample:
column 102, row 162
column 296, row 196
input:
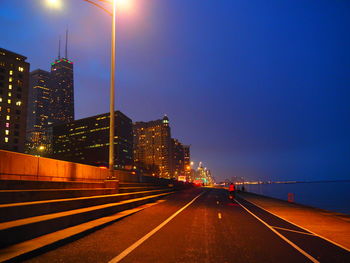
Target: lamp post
column 57, row 4
column 112, row 94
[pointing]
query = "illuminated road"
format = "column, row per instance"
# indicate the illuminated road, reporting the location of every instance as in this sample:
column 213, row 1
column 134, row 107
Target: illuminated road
column 209, row 228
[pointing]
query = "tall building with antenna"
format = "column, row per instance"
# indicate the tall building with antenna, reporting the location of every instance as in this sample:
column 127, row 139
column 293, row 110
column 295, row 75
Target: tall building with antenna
column 62, row 88
column 51, row 101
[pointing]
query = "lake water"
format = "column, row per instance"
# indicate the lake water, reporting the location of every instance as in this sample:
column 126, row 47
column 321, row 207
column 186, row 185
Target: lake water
column 333, row 196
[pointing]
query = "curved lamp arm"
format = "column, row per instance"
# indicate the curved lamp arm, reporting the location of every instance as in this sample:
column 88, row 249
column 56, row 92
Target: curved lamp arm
column 100, row 6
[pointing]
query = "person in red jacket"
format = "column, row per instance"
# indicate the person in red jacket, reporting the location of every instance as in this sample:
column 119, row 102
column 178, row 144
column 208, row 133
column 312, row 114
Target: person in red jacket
column 231, row 191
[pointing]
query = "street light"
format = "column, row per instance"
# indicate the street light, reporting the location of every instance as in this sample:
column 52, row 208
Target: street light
column 122, row 3
column 112, row 87
column 54, row 3
column 41, row 148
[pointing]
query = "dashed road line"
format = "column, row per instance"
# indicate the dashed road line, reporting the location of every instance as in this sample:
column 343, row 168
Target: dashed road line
column 219, row 215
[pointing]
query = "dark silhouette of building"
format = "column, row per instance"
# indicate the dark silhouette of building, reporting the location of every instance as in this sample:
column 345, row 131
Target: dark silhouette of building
column 62, row 103
column 187, row 161
column 62, row 85
column 178, row 158
column 14, row 82
column 51, row 101
column 87, row 141
column 152, row 147
column 39, row 116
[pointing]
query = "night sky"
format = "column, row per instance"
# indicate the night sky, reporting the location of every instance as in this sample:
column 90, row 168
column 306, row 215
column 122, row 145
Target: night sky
column 260, row 89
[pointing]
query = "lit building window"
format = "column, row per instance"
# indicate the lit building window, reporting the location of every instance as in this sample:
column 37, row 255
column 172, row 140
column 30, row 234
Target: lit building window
column 18, row 103
column 9, row 94
column 9, row 101
column 10, row 86
column 0, row 99
column 7, row 117
column 7, row 125
column 6, row 139
column 20, row 69
column 10, row 79
column 11, row 72
column 7, row 132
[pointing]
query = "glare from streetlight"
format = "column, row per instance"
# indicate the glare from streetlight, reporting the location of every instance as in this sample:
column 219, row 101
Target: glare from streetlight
column 124, row 4
column 57, row 4
column 41, row 148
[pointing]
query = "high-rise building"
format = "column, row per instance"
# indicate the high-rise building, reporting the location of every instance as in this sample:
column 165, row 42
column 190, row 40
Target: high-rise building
column 87, row 141
column 51, row 101
column 178, row 158
column 187, row 162
column 39, row 105
column 62, row 85
column 39, row 100
column 187, row 157
column 14, row 82
column 62, row 102
column 152, row 147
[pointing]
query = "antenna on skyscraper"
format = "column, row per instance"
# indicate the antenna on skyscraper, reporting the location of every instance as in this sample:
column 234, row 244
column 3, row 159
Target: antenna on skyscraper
column 66, row 50
column 59, row 47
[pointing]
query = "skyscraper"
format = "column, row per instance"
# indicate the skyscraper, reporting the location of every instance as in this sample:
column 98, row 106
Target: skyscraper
column 39, row 100
column 62, row 103
column 39, row 117
column 178, row 158
column 14, row 82
column 62, row 84
column 152, row 147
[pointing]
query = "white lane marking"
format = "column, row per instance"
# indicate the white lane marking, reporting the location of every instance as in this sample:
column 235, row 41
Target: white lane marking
column 151, row 233
column 330, row 241
column 281, row 236
column 290, row 230
column 219, row 215
column 217, row 202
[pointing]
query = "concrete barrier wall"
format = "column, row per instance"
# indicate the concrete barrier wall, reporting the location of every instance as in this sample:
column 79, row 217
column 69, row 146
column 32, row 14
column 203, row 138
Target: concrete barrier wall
column 17, row 166
column 127, row 177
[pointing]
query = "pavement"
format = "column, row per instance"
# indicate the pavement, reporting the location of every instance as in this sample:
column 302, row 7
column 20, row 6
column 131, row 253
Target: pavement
column 330, row 225
column 203, row 225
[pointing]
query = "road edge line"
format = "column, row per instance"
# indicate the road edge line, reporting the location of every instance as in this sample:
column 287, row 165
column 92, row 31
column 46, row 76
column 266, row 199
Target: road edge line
column 128, row 250
column 280, row 235
column 294, row 231
column 330, row 241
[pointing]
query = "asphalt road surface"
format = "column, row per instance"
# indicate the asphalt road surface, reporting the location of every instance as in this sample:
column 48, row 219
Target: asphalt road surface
column 198, row 225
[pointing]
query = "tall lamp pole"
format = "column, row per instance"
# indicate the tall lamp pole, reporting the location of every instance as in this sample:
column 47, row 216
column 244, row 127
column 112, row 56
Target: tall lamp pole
column 112, row 89
column 56, row 3
column 112, row 83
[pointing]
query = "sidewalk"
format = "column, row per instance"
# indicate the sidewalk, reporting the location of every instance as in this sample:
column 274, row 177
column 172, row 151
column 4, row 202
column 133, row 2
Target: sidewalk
column 329, row 225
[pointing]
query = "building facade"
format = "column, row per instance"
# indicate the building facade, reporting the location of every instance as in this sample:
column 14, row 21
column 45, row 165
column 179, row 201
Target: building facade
column 178, row 158
column 87, row 141
column 14, row 82
column 39, row 106
column 62, row 85
column 152, row 147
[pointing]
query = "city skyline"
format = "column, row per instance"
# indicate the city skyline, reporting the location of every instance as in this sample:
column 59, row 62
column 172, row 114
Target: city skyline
column 237, row 124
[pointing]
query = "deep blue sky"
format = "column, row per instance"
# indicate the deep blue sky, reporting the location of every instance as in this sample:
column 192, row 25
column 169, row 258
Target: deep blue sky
column 260, row 89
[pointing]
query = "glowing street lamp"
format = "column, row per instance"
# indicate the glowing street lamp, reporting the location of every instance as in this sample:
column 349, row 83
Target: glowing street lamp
column 54, row 3
column 122, row 4
column 41, row 148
